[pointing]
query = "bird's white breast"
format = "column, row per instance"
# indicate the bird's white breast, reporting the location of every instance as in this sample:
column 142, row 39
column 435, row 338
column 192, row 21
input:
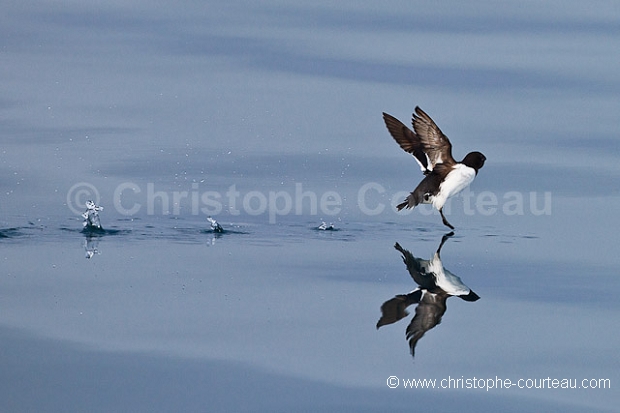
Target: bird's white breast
column 447, row 281
column 456, row 180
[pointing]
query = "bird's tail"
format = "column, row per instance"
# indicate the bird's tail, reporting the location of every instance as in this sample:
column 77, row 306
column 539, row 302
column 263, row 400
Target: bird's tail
column 409, row 202
column 408, row 258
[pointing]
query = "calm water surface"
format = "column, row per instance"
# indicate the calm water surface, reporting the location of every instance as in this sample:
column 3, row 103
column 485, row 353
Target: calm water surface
column 268, row 118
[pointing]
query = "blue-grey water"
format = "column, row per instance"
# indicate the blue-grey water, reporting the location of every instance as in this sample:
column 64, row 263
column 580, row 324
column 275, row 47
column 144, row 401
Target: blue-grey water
column 267, row 117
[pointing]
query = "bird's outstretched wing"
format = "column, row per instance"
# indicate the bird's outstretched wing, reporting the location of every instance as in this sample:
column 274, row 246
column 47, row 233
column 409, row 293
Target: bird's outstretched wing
column 426, row 142
column 435, row 144
column 428, row 314
column 408, row 140
column 396, row 308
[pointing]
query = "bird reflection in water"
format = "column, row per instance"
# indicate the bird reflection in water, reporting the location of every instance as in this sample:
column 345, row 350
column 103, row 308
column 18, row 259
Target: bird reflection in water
column 435, row 285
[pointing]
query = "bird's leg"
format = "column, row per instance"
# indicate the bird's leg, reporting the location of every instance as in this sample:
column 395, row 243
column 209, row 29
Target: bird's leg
column 443, row 241
column 443, row 218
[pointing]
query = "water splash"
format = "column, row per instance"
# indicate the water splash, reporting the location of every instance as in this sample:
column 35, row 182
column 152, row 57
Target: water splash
column 91, row 216
column 325, row 227
column 215, row 226
column 91, row 247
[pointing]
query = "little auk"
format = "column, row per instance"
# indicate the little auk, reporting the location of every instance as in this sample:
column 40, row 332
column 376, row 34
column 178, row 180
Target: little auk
column 444, row 177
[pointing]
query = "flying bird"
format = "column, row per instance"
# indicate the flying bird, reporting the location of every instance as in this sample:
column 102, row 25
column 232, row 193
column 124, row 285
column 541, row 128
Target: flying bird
column 444, row 177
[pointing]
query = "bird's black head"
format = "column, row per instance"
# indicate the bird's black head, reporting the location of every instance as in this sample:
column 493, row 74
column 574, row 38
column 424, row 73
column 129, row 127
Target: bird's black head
column 474, row 160
column 472, row 296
